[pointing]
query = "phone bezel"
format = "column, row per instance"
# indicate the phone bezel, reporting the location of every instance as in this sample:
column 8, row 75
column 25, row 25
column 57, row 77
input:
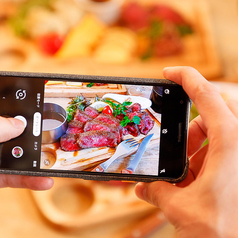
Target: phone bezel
column 101, row 79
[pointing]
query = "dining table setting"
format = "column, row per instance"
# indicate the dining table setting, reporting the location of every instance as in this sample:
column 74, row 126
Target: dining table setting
column 122, row 38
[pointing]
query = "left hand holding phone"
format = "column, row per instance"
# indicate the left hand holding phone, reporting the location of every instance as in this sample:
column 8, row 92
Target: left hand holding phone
column 11, row 128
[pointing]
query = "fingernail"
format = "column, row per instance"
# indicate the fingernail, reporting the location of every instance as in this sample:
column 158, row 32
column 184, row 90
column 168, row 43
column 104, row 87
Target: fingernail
column 144, row 193
column 165, row 68
column 141, row 191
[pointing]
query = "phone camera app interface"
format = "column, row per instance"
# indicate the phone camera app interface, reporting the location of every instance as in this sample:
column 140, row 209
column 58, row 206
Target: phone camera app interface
column 101, row 128
column 22, row 98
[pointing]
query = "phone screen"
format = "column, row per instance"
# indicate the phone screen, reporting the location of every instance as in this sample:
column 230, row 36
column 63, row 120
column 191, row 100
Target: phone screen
column 89, row 127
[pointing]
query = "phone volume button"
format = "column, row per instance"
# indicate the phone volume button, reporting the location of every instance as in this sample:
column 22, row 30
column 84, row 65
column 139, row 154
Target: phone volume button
column 37, row 124
column 180, row 132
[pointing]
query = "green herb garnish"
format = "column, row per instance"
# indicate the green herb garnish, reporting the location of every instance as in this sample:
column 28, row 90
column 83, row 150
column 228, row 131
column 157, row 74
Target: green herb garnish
column 126, row 120
column 184, row 30
column 90, row 85
column 119, row 109
column 136, row 120
column 19, row 20
column 79, row 102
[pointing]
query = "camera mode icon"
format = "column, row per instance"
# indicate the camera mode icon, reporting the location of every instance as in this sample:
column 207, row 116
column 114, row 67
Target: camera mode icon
column 20, row 94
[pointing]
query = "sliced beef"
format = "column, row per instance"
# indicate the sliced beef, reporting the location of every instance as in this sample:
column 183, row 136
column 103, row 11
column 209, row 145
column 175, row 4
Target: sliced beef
column 146, row 123
column 96, row 125
column 120, row 117
column 75, row 127
column 103, row 117
column 111, row 120
column 136, row 107
column 132, row 114
column 92, row 139
column 91, row 112
column 68, row 142
column 131, row 129
column 82, row 116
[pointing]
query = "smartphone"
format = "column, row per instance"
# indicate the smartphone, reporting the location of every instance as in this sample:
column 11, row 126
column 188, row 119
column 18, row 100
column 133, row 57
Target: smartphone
column 95, row 127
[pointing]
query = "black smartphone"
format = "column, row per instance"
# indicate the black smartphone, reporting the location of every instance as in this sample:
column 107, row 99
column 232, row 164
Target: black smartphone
column 95, row 127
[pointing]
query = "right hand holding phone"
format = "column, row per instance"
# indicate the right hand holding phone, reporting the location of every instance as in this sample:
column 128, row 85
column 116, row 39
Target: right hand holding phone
column 206, row 202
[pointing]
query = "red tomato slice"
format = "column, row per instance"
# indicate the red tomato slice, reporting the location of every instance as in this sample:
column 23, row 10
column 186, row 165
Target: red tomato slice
column 50, row 43
column 107, row 110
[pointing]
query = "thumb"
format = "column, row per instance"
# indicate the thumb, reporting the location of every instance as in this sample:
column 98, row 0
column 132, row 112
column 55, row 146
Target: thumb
column 10, row 128
column 156, row 193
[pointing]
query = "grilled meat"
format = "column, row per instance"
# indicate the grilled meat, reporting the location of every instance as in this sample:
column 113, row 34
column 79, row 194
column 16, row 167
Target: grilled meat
column 96, row 125
column 91, row 111
column 91, row 129
column 146, row 123
column 91, row 139
column 136, row 107
column 75, row 127
column 111, row 120
column 68, row 142
column 82, row 116
column 131, row 129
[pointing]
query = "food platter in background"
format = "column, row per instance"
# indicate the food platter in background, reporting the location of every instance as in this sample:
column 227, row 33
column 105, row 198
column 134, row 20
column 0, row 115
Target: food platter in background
column 92, row 47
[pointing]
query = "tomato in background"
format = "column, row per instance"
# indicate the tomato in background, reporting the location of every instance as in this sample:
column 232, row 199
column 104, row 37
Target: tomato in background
column 50, row 43
column 107, row 110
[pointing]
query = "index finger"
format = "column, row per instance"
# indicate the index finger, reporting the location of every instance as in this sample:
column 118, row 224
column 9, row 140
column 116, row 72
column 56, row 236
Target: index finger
column 205, row 95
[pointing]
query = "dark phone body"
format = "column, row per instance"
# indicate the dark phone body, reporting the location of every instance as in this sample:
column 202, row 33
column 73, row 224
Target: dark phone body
column 168, row 98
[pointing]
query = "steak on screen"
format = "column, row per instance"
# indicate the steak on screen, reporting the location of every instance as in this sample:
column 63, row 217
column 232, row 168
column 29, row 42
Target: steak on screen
column 92, row 139
column 75, row 127
column 146, row 123
column 89, row 139
column 96, row 125
column 82, row 116
column 91, row 112
column 111, row 120
column 68, row 142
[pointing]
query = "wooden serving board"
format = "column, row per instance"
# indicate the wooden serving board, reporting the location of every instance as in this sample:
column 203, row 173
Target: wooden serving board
column 87, row 159
column 64, row 90
column 76, row 204
column 199, row 52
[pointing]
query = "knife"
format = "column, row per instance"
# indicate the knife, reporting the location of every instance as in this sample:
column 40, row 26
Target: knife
column 133, row 163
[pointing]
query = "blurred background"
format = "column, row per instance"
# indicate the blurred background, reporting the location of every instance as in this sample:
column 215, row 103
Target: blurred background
column 117, row 38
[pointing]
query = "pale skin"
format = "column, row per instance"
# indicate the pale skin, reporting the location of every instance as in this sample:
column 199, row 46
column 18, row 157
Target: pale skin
column 11, row 128
column 205, row 204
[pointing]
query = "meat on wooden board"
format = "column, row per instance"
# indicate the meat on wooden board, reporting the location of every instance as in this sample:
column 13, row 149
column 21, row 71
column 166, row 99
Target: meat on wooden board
column 91, row 129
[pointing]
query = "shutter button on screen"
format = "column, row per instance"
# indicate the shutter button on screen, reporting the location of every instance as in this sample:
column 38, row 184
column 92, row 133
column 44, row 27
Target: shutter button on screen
column 21, row 118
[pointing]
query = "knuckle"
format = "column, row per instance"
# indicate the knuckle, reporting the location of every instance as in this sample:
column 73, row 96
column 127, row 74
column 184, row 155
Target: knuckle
column 188, row 69
column 205, row 89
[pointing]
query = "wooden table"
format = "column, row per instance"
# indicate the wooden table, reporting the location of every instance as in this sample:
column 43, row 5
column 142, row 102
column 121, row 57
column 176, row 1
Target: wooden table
column 20, row 218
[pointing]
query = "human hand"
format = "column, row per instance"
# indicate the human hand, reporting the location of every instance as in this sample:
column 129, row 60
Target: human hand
column 205, row 204
column 10, row 128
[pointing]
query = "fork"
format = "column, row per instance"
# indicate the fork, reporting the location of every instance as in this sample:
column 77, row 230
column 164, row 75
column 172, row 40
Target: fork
column 124, row 149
